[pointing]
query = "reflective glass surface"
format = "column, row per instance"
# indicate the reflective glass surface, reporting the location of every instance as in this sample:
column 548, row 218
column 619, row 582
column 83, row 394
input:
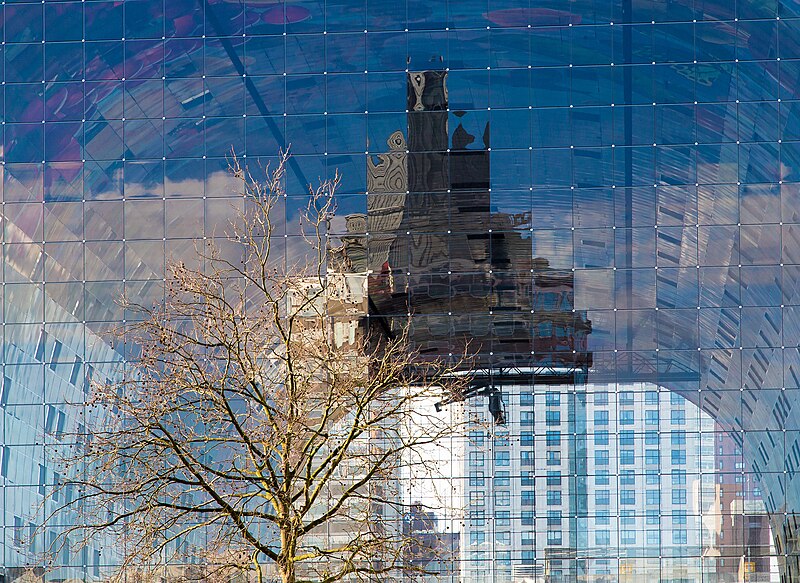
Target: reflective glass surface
column 601, row 196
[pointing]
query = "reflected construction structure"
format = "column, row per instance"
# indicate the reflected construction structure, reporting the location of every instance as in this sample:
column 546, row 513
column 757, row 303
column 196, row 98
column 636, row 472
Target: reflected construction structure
column 599, row 201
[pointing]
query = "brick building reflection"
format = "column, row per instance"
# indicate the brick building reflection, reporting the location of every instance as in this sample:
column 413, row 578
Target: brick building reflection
column 466, row 274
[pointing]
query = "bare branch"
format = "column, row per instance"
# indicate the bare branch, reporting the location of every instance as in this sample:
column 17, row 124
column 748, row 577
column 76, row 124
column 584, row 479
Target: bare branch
column 251, row 429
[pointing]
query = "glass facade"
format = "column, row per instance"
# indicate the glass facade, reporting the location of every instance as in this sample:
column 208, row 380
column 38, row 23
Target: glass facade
column 600, row 196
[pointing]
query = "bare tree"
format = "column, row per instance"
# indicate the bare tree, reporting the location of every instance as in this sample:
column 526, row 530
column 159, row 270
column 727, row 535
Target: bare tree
column 259, row 424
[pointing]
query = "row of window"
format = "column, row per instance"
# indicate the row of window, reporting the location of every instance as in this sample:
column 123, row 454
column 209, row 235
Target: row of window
column 601, row 457
column 602, row 537
column 626, row 497
column 602, row 477
column 624, row 397
column 600, row 517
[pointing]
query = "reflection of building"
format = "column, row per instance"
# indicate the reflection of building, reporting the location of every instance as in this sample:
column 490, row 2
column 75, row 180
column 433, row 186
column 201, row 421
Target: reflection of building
column 441, row 242
column 606, row 484
column 743, row 539
column 117, row 117
column 334, row 318
column 47, row 371
column 434, row 554
column 435, row 253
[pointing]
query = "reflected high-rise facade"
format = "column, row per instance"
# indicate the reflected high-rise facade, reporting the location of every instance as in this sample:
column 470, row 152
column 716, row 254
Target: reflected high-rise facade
column 598, row 198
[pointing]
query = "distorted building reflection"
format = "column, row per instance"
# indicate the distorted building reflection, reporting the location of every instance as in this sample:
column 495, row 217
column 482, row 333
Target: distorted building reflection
column 639, row 471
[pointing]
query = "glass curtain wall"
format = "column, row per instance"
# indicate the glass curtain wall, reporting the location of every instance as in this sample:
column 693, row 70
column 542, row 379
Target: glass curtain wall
column 602, row 197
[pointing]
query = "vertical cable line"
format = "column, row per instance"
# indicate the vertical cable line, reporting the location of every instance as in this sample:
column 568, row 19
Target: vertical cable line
column 123, row 125
column 83, row 469
column 5, row 388
column 163, row 263
column 627, row 122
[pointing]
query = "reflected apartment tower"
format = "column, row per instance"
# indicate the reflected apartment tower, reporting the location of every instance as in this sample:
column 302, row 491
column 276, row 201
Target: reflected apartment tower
column 606, row 484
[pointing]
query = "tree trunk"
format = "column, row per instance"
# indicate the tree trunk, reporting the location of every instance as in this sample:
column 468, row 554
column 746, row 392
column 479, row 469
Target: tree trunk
column 286, row 566
column 287, row 572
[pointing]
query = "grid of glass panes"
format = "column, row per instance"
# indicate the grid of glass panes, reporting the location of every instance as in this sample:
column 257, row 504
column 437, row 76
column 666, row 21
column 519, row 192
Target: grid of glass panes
column 649, row 149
